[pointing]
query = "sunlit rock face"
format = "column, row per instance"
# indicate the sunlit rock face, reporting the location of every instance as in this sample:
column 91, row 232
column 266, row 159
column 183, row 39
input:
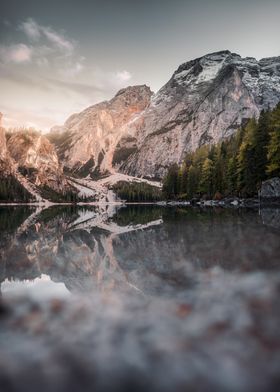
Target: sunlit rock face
column 88, row 141
column 3, row 147
column 36, row 159
column 141, row 134
column 206, row 100
column 6, row 165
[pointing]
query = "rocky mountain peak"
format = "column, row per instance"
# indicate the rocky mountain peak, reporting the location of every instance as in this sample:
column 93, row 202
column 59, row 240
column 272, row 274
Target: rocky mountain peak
column 142, row 134
column 36, row 159
column 87, row 141
column 30, row 149
column 135, row 93
column 206, row 100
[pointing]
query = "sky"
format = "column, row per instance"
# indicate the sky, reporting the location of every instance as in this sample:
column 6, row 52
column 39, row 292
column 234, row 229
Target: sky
column 59, row 57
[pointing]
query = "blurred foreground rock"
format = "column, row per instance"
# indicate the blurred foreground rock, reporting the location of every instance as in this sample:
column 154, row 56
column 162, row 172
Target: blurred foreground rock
column 222, row 334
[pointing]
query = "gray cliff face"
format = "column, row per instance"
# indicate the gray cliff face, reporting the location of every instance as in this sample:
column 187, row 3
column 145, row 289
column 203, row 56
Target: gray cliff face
column 141, row 134
column 206, row 100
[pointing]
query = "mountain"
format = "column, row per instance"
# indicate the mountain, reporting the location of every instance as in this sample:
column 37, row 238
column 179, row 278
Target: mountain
column 11, row 189
column 138, row 135
column 5, row 164
column 206, row 100
column 3, row 147
column 141, row 134
column 88, row 141
column 36, row 159
column 29, row 168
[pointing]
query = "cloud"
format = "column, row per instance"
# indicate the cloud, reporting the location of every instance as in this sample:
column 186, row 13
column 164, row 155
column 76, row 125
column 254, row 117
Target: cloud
column 18, row 53
column 124, row 76
column 56, row 80
column 31, row 29
column 72, row 69
column 35, row 31
column 57, row 39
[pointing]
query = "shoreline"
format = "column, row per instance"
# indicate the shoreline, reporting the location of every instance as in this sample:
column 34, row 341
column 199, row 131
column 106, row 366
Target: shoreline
column 237, row 203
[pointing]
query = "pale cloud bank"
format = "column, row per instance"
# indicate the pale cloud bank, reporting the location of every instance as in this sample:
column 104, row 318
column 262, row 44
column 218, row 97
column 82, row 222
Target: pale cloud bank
column 17, row 53
column 44, row 78
column 35, row 32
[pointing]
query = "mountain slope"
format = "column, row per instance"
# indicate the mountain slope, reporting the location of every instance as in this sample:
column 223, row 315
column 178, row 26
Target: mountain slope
column 4, row 159
column 141, row 134
column 206, row 100
column 87, row 142
column 11, row 187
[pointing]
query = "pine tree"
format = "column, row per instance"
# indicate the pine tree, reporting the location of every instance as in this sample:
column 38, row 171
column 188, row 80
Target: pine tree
column 184, row 180
column 193, row 181
column 273, row 149
column 231, row 176
column 170, row 184
column 206, row 180
column 260, row 142
column 219, row 159
column 246, row 161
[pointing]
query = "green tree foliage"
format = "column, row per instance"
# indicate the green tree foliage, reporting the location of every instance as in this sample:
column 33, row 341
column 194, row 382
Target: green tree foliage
column 273, row 149
column 12, row 191
column 247, row 161
column 62, row 197
column 171, row 182
column 236, row 166
column 137, row 192
column 206, row 178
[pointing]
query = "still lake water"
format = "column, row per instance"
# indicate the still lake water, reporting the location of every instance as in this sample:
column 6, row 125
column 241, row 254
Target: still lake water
column 139, row 297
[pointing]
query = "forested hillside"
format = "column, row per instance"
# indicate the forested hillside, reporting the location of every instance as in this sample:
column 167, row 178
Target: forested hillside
column 234, row 167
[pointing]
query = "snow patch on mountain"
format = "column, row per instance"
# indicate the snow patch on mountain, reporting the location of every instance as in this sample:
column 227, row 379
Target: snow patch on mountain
column 101, row 190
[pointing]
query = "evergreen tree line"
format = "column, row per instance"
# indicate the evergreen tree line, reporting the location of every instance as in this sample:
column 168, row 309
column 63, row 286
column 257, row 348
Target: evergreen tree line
column 234, row 167
column 62, row 197
column 137, row 192
column 12, row 191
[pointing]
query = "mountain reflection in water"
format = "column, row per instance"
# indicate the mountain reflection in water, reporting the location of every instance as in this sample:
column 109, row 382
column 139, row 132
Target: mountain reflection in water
column 139, row 298
column 151, row 249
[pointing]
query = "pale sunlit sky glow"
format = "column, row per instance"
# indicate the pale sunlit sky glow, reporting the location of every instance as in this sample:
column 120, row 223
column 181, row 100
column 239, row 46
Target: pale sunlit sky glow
column 58, row 57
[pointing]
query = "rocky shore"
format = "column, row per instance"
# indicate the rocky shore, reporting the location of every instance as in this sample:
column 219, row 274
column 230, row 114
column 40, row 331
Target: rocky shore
column 269, row 196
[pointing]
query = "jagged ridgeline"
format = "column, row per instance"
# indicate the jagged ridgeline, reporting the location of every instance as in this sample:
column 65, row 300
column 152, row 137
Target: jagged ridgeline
column 139, row 134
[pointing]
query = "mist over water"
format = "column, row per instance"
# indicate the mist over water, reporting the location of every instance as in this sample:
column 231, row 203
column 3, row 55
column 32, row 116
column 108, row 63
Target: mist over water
column 139, row 298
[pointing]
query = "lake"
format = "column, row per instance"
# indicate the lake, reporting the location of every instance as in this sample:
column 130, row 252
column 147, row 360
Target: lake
column 139, row 297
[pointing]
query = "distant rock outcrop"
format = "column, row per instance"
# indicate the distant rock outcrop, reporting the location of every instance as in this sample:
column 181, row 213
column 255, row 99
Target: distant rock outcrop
column 36, row 159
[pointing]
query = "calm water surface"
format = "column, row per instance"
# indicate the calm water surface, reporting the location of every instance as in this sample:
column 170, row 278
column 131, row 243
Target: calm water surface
column 139, row 298
column 149, row 247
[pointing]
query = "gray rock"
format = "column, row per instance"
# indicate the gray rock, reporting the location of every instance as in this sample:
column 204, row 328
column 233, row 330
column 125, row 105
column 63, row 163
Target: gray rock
column 270, row 189
column 271, row 217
